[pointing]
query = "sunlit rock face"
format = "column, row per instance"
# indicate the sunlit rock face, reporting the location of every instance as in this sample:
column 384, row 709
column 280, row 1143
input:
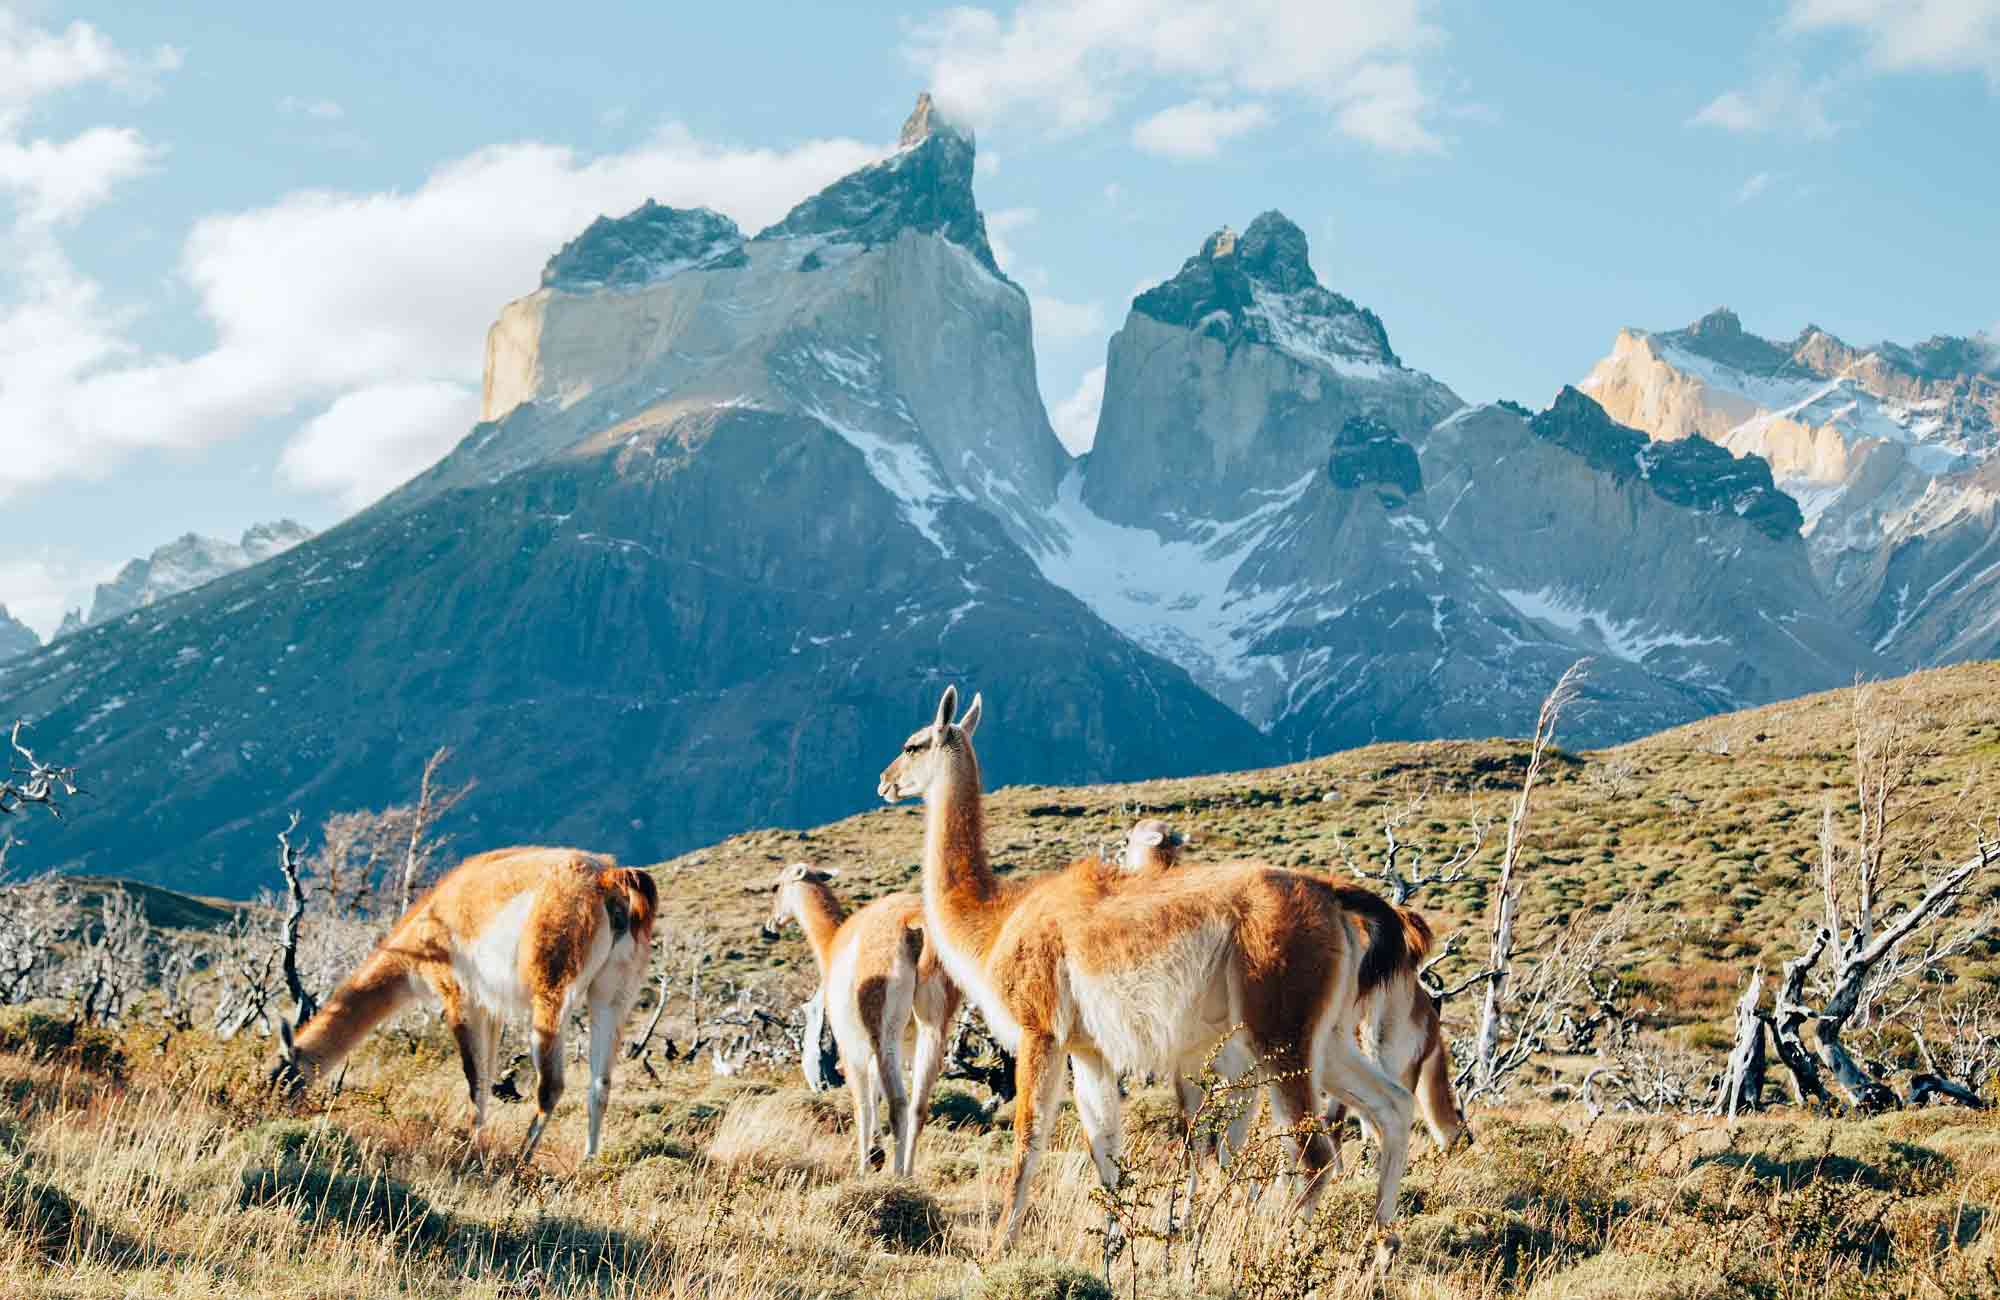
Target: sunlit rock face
column 1885, row 448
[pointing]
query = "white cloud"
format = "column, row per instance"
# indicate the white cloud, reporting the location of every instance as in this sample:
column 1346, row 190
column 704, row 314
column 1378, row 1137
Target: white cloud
column 39, row 587
column 36, row 62
column 372, row 439
column 320, row 110
column 1003, row 223
column 55, row 180
column 1780, row 100
column 1911, row 35
column 322, row 294
column 1060, row 321
column 1075, row 417
column 1073, row 63
column 1753, row 187
column 1198, row 128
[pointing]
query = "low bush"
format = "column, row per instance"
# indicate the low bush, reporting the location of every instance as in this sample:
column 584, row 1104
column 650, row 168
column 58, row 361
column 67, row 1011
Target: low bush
column 893, row 1212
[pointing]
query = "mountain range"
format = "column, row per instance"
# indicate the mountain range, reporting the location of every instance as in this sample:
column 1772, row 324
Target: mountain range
column 739, row 505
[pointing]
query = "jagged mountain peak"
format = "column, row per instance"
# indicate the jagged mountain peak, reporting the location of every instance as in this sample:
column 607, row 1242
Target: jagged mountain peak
column 1259, row 287
column 926, row 185
column 1721, row 323
column 646, row 245
column 926, row 120
column 1690, row 472
column 16, row 637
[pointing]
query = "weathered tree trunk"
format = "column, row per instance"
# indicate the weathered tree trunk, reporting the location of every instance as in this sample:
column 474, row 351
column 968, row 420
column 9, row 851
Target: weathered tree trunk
column 1788, row 1014
column 1743, row 1085
column 288, row 862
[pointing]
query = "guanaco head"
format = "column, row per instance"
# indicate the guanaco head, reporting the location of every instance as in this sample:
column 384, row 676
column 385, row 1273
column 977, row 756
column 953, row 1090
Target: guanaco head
column 924, row 753
column 784, row 892
column 1152, row 845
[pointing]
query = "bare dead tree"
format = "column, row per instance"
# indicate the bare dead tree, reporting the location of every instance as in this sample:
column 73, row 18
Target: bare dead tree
column 1405, row 882
column 1647, row 1076
column 1872, row 943
column 1488, row 1066
column 288, row 939
column 637, row 1047
column 975, row 1056
column 246, row 960
column 110, row 968
column 175, row 962
column 346, row 871
column 1563, row 974
column 422, row 844
column 31, row 783
column 36, row 918
column 1971, row 1058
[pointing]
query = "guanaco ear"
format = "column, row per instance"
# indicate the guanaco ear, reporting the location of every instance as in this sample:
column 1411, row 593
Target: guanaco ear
column 970, row 722
column 820, row 875
column 947, row 709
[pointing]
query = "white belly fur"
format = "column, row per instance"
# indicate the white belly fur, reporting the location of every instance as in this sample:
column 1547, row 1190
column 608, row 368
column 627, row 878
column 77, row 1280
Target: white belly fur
column 1150, row 1017
column 489, row 967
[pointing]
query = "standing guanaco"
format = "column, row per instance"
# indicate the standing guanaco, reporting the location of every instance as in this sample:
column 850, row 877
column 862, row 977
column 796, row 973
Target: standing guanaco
column 876, row 972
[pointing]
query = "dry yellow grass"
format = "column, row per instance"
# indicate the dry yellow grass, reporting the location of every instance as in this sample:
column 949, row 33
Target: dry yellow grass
column 187, row 1179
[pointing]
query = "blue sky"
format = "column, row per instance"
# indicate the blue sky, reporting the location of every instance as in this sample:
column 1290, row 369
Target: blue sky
column 247, row 256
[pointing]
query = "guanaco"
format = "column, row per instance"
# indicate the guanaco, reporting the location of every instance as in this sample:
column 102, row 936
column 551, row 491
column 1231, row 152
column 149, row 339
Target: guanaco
column 1400, row 1029
column 1123, row 973
column 876, row 973
column 516, row 931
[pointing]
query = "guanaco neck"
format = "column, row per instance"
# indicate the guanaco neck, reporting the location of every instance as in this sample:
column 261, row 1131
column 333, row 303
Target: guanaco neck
column 958, row 879
column 819, row 914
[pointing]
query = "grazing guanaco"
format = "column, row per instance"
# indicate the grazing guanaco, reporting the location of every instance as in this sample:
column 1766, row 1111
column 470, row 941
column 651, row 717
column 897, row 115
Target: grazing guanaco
column 523, row 931
column 1128, row 972
column 876, row 973
column 1401, row 1028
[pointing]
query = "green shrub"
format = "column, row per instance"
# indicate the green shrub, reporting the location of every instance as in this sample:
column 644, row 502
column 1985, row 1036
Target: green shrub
column 893, row 1212
column 955, row 1107
column 1622, row 1275
column 302, row 1142
column 1040, row 1280
column 360, row 1202
column 646, row 1145
column 43, row 1037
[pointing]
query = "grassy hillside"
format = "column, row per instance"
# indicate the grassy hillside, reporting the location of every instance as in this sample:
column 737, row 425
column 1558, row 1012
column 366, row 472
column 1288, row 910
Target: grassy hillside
column 1716, row 824
column 156, row 1163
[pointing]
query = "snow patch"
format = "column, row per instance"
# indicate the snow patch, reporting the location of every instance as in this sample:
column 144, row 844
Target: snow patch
column 1630, row 640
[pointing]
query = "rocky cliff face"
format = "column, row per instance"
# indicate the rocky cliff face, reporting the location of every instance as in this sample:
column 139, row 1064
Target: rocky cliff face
column 874, row 305
column 1880, row 447
column 1226, row 382
column 16, row 637
column 750, row 513
column 183, row 564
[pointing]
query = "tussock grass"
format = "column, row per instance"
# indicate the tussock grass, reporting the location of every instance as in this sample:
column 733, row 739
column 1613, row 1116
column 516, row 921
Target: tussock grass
column 141, row 1187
